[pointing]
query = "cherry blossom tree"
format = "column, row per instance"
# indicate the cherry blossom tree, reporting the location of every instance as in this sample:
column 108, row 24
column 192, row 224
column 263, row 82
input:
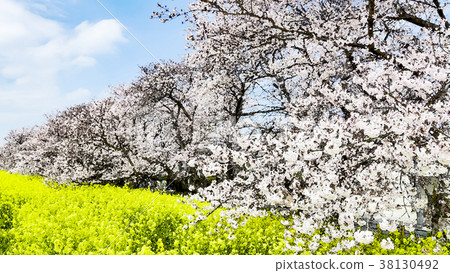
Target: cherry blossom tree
column 19, row 153
column 362, row 89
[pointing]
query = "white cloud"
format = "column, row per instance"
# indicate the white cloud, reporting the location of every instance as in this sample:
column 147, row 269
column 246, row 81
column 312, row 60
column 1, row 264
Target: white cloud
column 95, row 38
column 21, row 27
column 33, row 52
column 83, row 61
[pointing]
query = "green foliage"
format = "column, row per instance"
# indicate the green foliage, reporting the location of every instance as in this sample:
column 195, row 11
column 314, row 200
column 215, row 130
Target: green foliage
column 6, row 219
column 40, row 219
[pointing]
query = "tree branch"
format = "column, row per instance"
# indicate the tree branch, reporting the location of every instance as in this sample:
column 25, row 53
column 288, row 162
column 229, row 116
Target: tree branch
column 441, row 14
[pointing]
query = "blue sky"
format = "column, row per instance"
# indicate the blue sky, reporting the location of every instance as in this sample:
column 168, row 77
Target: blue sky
column 56, row 53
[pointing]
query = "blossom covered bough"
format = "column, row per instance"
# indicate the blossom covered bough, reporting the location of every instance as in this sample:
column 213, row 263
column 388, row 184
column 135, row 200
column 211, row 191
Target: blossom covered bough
column 326, row 112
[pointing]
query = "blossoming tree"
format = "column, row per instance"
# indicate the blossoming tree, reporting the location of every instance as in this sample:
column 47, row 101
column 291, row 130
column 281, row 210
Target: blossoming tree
column 361, row 88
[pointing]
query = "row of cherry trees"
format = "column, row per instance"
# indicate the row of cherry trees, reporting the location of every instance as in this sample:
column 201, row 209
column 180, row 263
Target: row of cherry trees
column 139, row 135
column 326, row 110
